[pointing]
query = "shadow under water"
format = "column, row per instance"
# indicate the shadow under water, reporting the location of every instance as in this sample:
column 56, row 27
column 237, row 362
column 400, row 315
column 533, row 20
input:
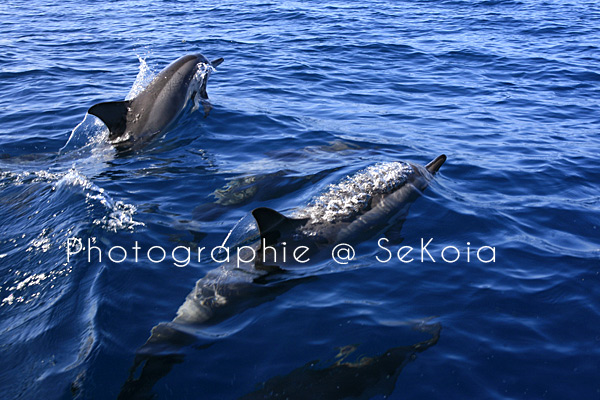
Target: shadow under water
column 361, row 379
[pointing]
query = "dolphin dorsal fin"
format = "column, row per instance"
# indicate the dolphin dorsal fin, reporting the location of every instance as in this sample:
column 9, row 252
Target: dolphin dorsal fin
column 271, row 224
column 113, row 114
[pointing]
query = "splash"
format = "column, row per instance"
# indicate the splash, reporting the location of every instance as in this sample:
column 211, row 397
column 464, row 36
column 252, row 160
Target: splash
column 120, row 215
column 26, row 177
column 42, row 242
column 354, row 193
column 90, row 137
column 143, row 78
column 119, row 218
column 87, row 142
column 57, row 204
column 25, row 281
column 199, row 81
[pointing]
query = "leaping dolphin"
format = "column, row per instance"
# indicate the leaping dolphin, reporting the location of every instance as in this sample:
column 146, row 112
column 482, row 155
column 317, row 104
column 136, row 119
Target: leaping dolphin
column 135, row 121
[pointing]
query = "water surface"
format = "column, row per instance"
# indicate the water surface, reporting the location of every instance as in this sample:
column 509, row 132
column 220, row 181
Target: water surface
column 307, row 95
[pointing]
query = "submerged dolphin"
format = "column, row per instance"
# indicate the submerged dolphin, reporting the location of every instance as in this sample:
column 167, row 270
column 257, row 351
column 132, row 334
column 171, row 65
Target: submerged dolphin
column 357, row 208
column 364, row 378
column 135, row 121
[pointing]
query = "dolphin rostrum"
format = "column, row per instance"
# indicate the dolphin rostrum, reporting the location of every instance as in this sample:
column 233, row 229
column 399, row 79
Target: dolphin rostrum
column 355, row 209
column 135, row 121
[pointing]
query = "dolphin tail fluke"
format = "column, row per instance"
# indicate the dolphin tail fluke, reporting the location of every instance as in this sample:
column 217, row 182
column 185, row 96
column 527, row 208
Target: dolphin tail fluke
column 113, row 114
column 217, row 62
column 435, row 165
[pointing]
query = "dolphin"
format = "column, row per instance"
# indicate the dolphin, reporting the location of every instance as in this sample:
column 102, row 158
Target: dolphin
column 357, row 208
column 364, row 378
column 374, row 200
column 135, row 121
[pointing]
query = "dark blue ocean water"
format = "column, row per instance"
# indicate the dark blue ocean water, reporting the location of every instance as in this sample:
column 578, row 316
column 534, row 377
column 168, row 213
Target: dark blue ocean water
column 308, row 94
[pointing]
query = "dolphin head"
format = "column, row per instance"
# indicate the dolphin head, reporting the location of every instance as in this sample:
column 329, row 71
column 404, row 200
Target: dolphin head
column 203, row 71
column 199, row 79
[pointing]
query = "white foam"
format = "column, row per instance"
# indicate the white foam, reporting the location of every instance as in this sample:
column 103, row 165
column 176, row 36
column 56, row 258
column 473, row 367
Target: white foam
column 143, row 78
column 353, row 193
column 120, row 215
column 26, row 177
column 89, row 139
column 24, row 281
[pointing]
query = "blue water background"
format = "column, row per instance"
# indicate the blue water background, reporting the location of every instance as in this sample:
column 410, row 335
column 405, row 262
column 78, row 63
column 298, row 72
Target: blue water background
column 308, row 94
